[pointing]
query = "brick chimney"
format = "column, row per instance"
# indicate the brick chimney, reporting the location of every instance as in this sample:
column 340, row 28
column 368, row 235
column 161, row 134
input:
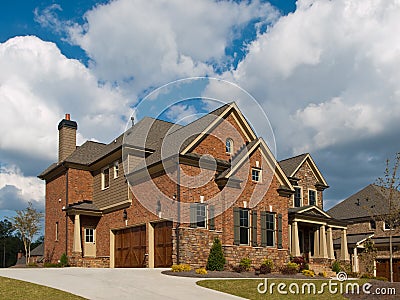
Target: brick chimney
column 66, row 137
column 19, row 255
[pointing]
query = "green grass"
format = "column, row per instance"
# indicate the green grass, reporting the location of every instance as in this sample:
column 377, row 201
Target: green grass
column 17, row 289
column 247, row 288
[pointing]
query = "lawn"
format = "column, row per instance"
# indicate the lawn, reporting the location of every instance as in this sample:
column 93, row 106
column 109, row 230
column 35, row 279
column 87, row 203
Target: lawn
column 247, row 288
column 17, row 289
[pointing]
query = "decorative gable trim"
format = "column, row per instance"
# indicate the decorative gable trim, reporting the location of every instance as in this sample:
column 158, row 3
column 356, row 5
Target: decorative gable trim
column 322, row 184
column 241, row 121
column 309, row 208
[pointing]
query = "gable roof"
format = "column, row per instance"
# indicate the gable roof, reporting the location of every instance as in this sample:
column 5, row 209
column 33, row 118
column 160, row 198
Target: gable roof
column 291, row 165
column 309, row 210
column 370, row 201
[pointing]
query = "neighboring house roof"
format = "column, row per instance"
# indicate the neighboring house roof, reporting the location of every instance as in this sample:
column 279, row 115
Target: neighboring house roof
column 38, row 251
column 353, row 239
column 368, row 202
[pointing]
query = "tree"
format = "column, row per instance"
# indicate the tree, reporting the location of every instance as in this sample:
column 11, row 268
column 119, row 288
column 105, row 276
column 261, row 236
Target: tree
column 216, row 259
column 368, row 256
column 389, row 185
column 27, row 223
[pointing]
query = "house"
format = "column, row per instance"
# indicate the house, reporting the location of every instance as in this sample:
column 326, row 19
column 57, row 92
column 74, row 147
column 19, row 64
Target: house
column 367, row 213
column 36, row 256
column 160, row 193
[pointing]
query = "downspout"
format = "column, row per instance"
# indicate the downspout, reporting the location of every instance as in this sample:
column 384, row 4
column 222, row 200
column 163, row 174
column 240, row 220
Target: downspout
column 66, row 214
column 178, row 198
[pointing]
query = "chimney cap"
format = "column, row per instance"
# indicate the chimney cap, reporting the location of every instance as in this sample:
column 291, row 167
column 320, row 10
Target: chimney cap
column 67, row 117
column 67, row 123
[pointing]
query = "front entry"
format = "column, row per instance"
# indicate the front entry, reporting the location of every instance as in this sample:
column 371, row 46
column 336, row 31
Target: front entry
column 90, row 242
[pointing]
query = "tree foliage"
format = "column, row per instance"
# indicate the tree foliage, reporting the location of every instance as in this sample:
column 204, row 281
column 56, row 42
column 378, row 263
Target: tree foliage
column 368, row 256
column 27, row 223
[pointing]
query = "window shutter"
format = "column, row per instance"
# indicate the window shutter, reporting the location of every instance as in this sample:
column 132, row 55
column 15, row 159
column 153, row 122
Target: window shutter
column 263, row 228
column 211, row 213
column 254, row 228
column 279, row 231
column 236, row 226
column 193, row 215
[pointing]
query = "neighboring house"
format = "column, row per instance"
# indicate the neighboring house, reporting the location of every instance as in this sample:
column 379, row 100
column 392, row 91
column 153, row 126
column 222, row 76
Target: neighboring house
column 366, row 212
column 162, row 192
column 36, row 256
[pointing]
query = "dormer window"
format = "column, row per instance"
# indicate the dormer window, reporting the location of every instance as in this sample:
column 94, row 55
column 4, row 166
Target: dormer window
column 256, row 175
column 105, row 178
column 229, row 146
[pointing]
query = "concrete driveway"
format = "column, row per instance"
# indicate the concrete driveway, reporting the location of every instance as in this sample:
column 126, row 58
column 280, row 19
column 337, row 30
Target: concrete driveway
column 117, row 283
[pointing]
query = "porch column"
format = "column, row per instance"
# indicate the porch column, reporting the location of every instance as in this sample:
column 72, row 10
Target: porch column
column 323, row 253
column 77, row 247
column 355, row 260
column 290, row 238
column 331, row 252
column 295, row 240
column 344, row 253
column 316, row 242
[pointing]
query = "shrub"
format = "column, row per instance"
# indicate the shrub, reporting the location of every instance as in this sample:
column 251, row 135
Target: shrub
column 367, row 276
column 381, row 278
column 64, row 260
column 201, row 271
column 216, row 258
column 336, row 267
column 301, row 262
column 323, row 274
column 181, row 268
column 32, row 265
column 269, row 263
column 245, row 263
column 290, row 268
column 51, row 265
column 308, row 273
column 238, row 268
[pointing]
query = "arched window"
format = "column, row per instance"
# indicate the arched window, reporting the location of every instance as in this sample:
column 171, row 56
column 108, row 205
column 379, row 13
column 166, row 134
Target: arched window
column 229, row 146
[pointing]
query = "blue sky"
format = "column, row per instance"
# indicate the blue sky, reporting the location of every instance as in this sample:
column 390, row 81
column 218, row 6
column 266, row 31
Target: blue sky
column 324, row 72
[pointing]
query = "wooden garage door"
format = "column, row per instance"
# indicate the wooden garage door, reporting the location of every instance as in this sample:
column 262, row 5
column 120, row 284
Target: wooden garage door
column 130, row 247
column 383, row 269
column 163, row 244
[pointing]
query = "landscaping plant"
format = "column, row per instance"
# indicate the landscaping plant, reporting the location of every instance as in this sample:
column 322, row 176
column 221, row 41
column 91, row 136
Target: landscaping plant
column 216, row 258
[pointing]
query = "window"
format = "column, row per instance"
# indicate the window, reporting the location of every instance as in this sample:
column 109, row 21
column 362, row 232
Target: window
column 386, row 225
column 372, row 224
column 244, row 226
column 256, row 175
column 312, row 197
column 270, row 218
column 89, row 235
column 297, row 197
column 56, row 231
column 116, row 170
column 201, row 215
column 229, row 146
column 105, row 178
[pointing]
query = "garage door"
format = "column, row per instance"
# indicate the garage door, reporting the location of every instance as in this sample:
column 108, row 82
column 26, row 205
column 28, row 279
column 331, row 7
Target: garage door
column 163, row 244
column 383, row 269
column 130, row 247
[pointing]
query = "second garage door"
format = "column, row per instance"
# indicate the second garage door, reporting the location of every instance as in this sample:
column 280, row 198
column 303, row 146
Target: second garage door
column 163, row 244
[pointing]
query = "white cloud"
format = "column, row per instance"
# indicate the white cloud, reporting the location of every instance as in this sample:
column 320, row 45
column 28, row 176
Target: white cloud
column 182, row 114
column 16, row 190
column 147, row 43
column 38, row 85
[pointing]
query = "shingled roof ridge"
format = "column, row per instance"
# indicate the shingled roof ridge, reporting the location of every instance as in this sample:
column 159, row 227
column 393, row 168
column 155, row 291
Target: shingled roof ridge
column 294, row 157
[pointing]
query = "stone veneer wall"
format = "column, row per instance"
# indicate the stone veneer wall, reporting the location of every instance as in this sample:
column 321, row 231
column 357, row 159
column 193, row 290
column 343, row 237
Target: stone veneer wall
column 195, row 245
column 89, row 262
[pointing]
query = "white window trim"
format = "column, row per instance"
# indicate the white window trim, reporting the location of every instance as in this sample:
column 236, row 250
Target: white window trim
column 230, row 146
column 115, row 168
column 93, row 235
column 259, row 174
column 57, row 232
column 206, row 216
column 316, row 196
column 384, row 227
column 301, row 196
column 370, row 227
column 103, row 187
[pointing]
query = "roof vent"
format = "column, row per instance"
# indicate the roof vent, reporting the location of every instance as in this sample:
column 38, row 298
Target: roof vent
column 133, row 120
column 358, row 202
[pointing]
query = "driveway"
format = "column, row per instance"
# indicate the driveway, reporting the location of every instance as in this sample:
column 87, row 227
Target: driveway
column 117, row 283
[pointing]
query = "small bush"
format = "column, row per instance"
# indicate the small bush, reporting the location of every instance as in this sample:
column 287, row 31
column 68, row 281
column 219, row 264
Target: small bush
column 290, row 268
column 238, row 268
column 32, row 265
column 301, row 262
column 309, row 273
column 245, row 263
column 352, row 274
column 367, row 276
column 51, row 265
column 181, row 268
column 201, row 271
column 64, row 260
column 264, row 269
column 269, row 263
column 336, row 267
column 381, row 278
column 216, row 258
column 323, row 274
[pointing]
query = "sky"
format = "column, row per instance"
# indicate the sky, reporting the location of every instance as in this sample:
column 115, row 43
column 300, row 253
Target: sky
column 324, row 72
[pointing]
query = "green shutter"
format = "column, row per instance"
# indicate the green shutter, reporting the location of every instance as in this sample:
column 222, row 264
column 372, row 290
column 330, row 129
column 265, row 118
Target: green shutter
column 236, row 226
column 254, row 228
column 263, row 228
column 279, row 231
column 193, row 215
column 211, row 217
